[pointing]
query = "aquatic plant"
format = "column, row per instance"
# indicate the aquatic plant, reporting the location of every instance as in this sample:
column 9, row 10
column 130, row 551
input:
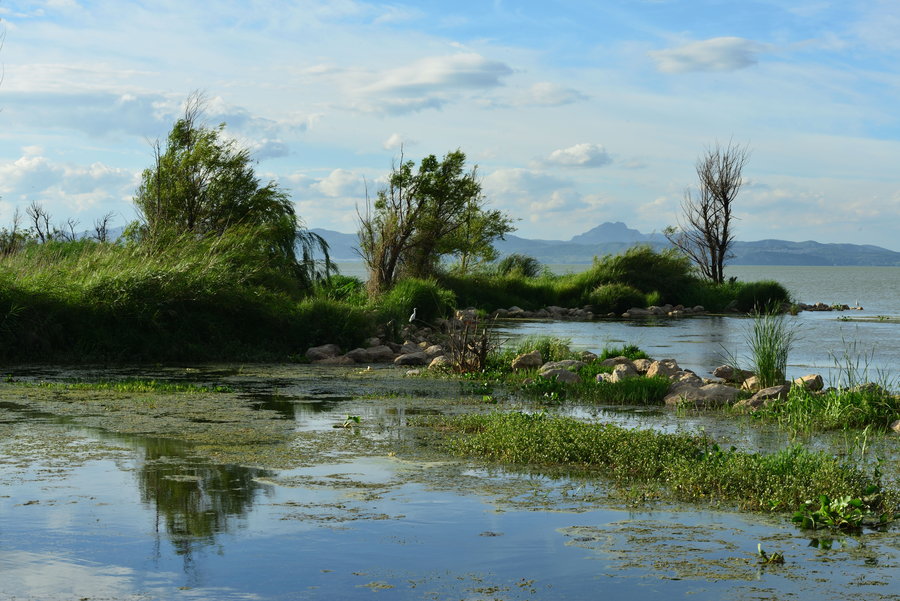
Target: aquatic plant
column 845, row 513
column 686, row 466
column 770, row 341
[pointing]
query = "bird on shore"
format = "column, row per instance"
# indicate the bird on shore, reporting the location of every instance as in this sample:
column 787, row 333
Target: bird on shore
column 413, row 316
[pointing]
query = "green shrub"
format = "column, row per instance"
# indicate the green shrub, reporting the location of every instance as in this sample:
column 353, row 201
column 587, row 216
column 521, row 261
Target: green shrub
column 427, row 297
column 770, row 341
column 342, row 288
column 521, row 265
column 615, row 298
column 551, row 347
column 760, row 296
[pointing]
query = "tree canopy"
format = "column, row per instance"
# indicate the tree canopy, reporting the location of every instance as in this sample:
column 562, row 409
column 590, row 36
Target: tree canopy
column 203, row 184
column 425, row 214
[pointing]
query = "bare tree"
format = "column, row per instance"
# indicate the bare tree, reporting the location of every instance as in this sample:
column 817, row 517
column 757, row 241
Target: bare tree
column 67, row 231
column 705, row 231
column 40, row 219
column 101, row 227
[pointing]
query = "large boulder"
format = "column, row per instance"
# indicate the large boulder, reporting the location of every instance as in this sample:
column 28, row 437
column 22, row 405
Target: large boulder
column 811, row 382
column 665, row 367
column 439, row 362
column 765, row 397
column 326, row 351
column 561, row 374
column 433, row 351
column 564, row 364
column 416, row 358
column 730, row 373
column 623, row 371
column 528, row 360
column 708, row 395
column 642, row 365
column 613, row 361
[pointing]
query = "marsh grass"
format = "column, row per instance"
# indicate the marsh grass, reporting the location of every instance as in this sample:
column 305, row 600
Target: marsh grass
column 770, row 340
column 684, row 466
column 129, row 386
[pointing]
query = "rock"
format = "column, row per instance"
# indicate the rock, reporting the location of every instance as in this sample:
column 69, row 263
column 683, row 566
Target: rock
column 636, row 312
column 413, row 372
column 895, row 426
column 528, row 360
column 665, row 367
column 342, row 360
column 440, row 361
column 588, row 356
column 326, row 351
column 410, row 347
column 433, row 351
column 811, row 382
column 642, row 365
column 613, row 361
column 687, row 377
column 751, row 384
column 564, row 364
column 381, row 354
column 360, row 355
column 766, row 396
column 623, row 371
column 562, row 375
column 416, row 358
column 731, row 374
column 708, row 395
column 374, row 341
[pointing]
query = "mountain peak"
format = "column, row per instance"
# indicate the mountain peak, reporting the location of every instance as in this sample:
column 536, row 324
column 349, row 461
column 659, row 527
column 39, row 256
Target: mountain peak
column 613, row 232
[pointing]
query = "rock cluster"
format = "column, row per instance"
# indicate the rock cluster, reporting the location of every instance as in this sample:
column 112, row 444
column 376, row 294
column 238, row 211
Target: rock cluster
column 826, row 307
column 413, row 352
column 588, row 313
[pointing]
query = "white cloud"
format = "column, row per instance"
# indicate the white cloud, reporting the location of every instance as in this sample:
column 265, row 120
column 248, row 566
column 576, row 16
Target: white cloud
column 65, row 190
column 550, row 94
column 580, row 155
column 429, row 83
column 397, row 141
column 341, row 183
column 715, row 54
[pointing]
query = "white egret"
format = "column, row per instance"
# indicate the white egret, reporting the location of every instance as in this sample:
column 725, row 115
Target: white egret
column 413, row 316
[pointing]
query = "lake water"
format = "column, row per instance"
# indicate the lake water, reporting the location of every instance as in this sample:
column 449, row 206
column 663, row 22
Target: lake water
column 93, row 508
column 825, row 342
column 98, row 507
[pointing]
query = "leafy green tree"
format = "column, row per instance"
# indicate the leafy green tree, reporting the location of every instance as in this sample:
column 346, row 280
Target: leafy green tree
column 423, row 215
column 203, row 184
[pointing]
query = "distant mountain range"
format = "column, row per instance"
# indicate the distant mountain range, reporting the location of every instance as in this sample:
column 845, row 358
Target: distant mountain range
column 613, row 238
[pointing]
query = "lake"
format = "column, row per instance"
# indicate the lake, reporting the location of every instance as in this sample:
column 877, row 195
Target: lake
column 256, row 495
column 262, row 498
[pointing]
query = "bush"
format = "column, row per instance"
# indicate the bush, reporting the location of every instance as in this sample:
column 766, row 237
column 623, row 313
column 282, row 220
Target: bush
column 760, row 296
column 521, row 265
column 427, row 297
column 616, row 298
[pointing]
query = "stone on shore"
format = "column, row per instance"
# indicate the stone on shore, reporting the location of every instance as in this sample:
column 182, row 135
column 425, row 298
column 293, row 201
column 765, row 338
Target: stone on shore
column 528, row 361
column 326, row 351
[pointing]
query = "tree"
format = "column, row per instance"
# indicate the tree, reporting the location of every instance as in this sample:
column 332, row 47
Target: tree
column 202, row 184
column 424, row 215
column 705, row 234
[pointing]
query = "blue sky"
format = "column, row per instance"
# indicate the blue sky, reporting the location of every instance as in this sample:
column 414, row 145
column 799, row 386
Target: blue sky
column 576, row 113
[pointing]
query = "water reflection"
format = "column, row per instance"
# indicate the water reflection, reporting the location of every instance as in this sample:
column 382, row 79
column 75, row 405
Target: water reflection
column 193, row 502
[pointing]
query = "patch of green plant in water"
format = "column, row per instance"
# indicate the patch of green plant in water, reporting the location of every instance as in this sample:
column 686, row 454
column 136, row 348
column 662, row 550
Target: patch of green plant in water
column 689, row 467
column 127, row 386
column 630, row 351
column 630, row 391
column 834, row 409
column 845, row 513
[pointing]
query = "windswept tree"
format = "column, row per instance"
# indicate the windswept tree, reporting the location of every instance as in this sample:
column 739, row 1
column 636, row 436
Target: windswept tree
column 705, row 232
column 423, row 215
column 203, row 184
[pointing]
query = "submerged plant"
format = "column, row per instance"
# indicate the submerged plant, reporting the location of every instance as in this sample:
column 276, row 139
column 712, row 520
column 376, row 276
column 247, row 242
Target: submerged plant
column 844, row 513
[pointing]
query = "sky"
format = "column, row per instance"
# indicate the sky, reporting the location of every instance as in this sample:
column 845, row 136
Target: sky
column 575, row 113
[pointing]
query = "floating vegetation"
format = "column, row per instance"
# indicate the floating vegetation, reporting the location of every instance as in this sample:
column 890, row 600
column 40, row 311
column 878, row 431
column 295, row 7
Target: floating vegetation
column 124, row 386
column 687, row 467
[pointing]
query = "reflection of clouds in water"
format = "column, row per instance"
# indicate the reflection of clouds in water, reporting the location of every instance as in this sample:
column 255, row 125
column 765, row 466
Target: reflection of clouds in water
column 53, row 577
column 39, row 576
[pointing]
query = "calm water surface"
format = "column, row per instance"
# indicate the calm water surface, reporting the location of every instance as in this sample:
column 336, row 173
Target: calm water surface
column 88, row 514
column 98, row 515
